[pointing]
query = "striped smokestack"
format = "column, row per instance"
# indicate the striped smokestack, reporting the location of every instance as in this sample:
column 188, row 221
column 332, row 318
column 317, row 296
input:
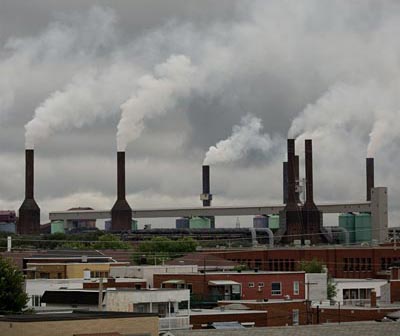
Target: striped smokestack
column 29, row 212
column 370, row 176
column 121, row 213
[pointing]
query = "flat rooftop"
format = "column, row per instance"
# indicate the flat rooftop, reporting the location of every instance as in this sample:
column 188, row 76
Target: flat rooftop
column 75, row 315
column 334, row 329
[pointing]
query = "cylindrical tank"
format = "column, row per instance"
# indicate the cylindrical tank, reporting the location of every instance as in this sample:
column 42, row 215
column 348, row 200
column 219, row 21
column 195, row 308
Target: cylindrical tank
column 134, row 225
column 347, row 221
column 57, row 227
column 273, row 222
column 182, row 223
column 260, row 222
column 363, row 227
column 200, row 223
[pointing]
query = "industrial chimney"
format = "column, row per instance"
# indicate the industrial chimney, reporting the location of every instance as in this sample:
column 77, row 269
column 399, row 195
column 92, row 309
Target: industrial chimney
column 312, row 217
column 121, row 212
column 29, row 212
column 370, row 176
column 206, row 196
column 290, row 216
column 285, row 181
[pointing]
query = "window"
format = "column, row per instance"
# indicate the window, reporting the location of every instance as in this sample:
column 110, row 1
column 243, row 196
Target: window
column 276, row 288
column 251, row 284
column 261, row 284
column 296, row 288
column 36, row 300
column 295, row 317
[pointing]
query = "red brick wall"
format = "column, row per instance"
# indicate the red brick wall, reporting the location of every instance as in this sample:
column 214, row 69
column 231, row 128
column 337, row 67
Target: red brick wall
column 333, row 258
column 350, row 315
column 200, row 285
column 395, row 291
column 279, row 313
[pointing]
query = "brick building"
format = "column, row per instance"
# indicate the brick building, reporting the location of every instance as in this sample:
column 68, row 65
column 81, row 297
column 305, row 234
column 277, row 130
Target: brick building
column 342, row 262
column 236, row 285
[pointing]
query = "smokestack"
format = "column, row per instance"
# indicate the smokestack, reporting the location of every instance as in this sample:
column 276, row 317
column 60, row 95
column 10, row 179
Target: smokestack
column 206, row 197
column 285, row 182
column 309, row 175
column 121, row 213
column 297, row 177
column 291, row 198
column 29, row 212
column 370, row 176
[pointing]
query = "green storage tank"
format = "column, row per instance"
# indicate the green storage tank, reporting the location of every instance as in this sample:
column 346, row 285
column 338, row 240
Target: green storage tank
column 134, row 225
column 363, row 227
column 348, row 221
column 57, row 227
column 199, row 223
column 273, row 222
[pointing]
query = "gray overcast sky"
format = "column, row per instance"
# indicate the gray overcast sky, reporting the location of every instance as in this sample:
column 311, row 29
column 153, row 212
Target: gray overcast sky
column 328, row 70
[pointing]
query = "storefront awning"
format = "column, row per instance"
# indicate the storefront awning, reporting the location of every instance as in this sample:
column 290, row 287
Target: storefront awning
column 174, row 282
column 222, row 283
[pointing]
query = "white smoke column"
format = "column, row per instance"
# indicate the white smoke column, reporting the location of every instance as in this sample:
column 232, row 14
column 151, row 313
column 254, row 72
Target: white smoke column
column 368, row 110
column 156, row 94
column 245, row 137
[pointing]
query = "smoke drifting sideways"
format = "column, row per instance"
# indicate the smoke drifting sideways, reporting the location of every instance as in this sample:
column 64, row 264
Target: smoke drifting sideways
column 369, row 110
column 245, row 137
column 156, row 95
column 89, row 90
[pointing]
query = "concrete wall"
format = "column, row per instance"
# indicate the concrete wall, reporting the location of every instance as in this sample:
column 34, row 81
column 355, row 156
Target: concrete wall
column 318, row 287
column 123, row 300
column 147, row 272
column 355, row 284
column 39, row 286
column 132, row 326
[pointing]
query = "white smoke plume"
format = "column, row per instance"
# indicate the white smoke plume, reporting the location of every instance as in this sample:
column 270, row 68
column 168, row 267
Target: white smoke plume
column 156, row 94
column 90, row 93
column 245, row 137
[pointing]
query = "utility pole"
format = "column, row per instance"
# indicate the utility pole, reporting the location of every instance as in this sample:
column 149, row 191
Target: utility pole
column 308, row 302
column 339, row 312
column 100, row 294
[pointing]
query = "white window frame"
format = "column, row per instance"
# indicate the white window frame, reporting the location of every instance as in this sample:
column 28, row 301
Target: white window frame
column 275, row 292
column 295, row 317
column 251, row 285
column 296, row 287
column 261, row 284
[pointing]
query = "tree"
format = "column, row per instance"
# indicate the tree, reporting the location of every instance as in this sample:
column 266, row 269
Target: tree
column 159, row 249
column 331, row 289
column 110, row 241
column 12, row 296
column 313, row 266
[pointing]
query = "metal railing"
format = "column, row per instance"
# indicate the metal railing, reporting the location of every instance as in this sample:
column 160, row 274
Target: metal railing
column 356, row 302
column 174, row 322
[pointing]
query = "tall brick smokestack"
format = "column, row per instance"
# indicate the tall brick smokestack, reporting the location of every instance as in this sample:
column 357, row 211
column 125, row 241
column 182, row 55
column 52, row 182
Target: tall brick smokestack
column 309, row 203
column 297, row 177
column 370, row 176
column 291, row 171
column 285, row 181
column 312, row 217
column 206, row 196
column 29, row 212
column 121, row 212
